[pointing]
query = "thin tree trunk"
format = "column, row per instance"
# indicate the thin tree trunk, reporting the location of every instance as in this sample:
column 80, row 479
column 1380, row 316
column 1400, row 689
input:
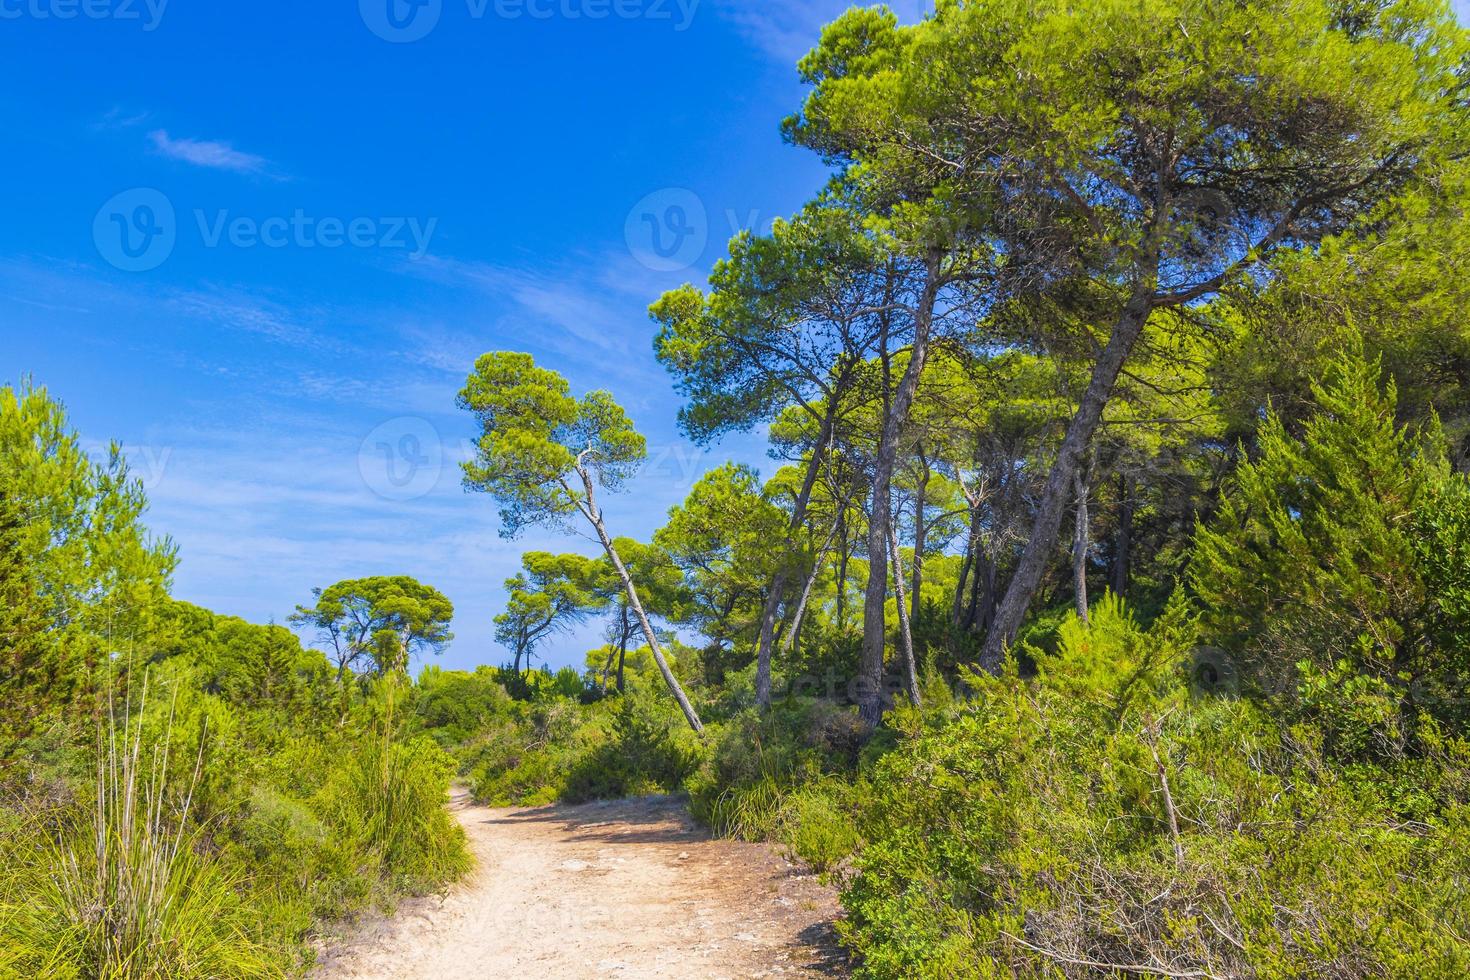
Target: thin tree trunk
column 1123, row 546
column 921, row 495
column 806, row 592
column 956, row 615
column 623, row 637
column 870, row 681
column 845, row 555
column 1080, row 544
column 778, row 582
column 1053, row 504
column 590, row 511
column 911, row 670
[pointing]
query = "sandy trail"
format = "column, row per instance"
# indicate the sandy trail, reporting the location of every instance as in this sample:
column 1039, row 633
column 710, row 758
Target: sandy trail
column 627, row 889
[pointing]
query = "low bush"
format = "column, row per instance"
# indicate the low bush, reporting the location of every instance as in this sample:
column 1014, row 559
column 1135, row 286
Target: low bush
column 1099, row 819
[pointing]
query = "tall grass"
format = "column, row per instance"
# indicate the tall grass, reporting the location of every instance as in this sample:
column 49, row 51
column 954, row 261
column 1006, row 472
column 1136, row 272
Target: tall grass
column 132, row 892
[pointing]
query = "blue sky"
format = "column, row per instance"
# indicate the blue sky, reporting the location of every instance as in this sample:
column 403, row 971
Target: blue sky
column 327, row 220
column 262, row 243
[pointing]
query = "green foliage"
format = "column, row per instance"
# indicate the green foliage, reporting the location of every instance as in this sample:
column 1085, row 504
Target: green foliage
column 818, row 823
column 720, row 539
column 1033, row 830
column 79, row 575
column 532, row 434
column 382, row 621
column 754, row 760
column 1333, row 572
column 236, row 796
column 646, row 750
column 549, row 595
column 132, row 891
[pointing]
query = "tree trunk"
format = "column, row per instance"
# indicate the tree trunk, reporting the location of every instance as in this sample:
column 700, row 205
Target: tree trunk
column 870, row 681
column 911, row 670
column 956, row 615
column 590, row 511
column 1123, row 546
column 1079, row 545
column 806, row 592
column 1053, row 504
column 920, row 532
column 845, row 555
column 623, row 637
column 778, row 582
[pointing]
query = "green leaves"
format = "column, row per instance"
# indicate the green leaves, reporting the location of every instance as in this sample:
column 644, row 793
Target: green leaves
column 552, row 593
column 384, row 620
column 1341, row 550
column 534, row 436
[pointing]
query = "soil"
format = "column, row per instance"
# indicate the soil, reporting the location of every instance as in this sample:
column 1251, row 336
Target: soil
column 629, row 889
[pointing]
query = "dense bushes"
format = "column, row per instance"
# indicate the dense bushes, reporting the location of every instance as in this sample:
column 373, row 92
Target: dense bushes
column 214, row 853
column 181, row 794
column 1099, row 817
column 1336, row 574
column 555, row 748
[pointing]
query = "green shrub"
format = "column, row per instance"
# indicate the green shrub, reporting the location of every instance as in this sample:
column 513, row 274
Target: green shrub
column 132, row 891
column 1098, row 814
column 818, row 824
column 646, row 751
column 1340, row 553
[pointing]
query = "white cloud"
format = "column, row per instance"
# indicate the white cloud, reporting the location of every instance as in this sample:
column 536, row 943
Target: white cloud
column 785, row 31
column 209, row 153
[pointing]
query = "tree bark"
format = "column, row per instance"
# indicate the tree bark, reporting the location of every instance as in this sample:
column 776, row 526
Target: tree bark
column 623, row 636
column 1079, row 545
column 593, row 515
column 1053, row 504
column 921, row 531
column 845, row 555
column 870, row 680
column 1123, row 546
column 778, row 582
column 811, row 581
column 911, row 670
column 956, row 615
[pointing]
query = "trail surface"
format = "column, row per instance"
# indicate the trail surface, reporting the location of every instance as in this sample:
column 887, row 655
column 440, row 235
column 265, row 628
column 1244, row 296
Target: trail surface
column 628, row 889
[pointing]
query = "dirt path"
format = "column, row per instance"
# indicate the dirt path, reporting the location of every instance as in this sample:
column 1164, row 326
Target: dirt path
column 629, row 889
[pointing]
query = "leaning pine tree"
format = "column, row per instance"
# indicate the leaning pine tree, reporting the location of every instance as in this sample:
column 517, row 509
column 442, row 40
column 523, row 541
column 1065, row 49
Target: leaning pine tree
column 543, row 455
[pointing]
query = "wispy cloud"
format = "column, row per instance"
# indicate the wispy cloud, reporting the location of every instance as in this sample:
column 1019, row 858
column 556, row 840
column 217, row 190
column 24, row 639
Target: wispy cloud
column 214, row 154
column 235, row 309
column 788, row 30
column 544, row 300
column 120, row 117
